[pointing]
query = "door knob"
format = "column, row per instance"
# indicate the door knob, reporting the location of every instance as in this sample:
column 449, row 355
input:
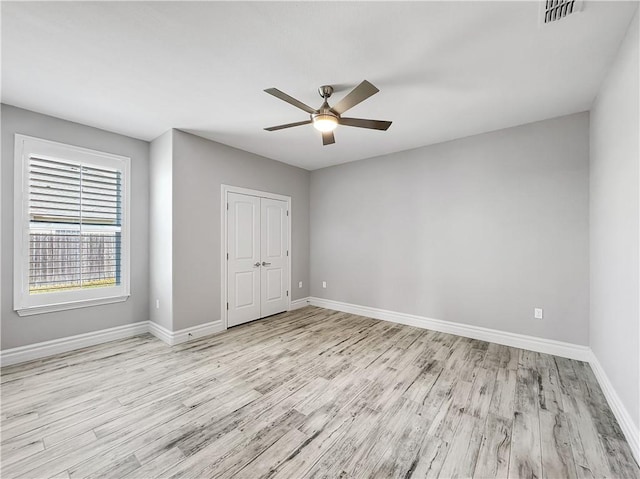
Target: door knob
column 256, row 264
column 264, row 263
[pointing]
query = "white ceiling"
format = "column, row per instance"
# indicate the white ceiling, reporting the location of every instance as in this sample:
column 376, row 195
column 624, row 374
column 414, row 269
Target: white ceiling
column 444, row 69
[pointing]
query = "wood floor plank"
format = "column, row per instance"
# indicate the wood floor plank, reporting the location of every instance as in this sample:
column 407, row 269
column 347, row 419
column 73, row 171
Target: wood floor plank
column 493, row 456
column 334, row 461
column 395, row 419
column 556, row 446
column 19, row 449
column 504, row 394
column 55, row 421
column 228, row 460
column 55, row 456
column 153, row 442
column 60, row 475
column 550, row 390
column 267, row 462
column 310, row 393
column 442, row 430
column 13, row 420
column 588, row 451
column 118, row 469
column 502, row 357
column 526, row 457
column 400, row 459
column 621, row 461
column 159, row 464
column 463, row 453
column 323, row 428
column 482, row 393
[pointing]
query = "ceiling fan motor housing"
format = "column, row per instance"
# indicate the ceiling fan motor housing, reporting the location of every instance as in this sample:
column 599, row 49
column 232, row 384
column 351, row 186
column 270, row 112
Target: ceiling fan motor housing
column 324, row 111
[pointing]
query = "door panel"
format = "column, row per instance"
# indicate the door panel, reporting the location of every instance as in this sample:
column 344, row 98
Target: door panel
column 245, row 231
column 274, row 222
column 273, row 246
column 245, row 290
column 274, row 284
column 243, row 247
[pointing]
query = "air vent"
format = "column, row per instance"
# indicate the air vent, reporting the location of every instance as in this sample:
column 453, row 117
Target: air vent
column 554, row 10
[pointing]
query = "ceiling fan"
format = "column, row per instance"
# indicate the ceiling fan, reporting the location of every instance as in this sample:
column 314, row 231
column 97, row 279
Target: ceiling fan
column 327, row 118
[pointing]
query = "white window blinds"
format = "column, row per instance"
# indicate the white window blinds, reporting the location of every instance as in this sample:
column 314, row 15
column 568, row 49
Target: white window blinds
column 75, row 226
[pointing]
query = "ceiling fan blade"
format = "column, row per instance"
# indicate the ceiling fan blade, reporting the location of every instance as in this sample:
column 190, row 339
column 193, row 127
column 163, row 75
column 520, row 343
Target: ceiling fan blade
column 362, row 123
column 289, row 99
column 355, row 96
column 288, row 125
column 328, row 138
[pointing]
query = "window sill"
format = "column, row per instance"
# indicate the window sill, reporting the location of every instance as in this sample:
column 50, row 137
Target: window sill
column 52, row 308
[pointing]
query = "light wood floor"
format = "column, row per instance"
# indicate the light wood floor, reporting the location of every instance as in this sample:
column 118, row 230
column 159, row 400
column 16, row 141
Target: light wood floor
column 312, row 393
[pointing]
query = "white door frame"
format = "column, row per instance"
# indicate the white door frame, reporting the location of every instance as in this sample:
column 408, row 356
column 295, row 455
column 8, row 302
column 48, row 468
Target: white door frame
column 225, row 189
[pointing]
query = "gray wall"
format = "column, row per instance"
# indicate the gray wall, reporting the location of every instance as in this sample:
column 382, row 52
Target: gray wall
column 614, row 235
column 161, row 231
column 19, row 331
column 200, row 167
column 478, row 231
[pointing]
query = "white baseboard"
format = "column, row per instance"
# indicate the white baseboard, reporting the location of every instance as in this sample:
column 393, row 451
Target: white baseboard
column 299, row 303
column 183, row 335
column 531, row 343
column 629, row 429
column 187, row 334
column 160, row 332
column 64, row 345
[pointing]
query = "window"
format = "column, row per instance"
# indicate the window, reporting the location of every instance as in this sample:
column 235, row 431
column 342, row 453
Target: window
column 71, row 227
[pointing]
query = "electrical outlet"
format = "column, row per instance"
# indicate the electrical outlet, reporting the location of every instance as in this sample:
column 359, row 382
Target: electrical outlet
column 324, row 284
column 300, row 284
column 537, row 313
column 157, row 304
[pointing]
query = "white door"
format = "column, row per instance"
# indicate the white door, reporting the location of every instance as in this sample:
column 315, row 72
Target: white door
column 274, row 250
column 257, row 263
column 243, row 265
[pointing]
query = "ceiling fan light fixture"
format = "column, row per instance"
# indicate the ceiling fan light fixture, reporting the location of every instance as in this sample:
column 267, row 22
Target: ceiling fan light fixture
column 326, row 118
column 324, row 122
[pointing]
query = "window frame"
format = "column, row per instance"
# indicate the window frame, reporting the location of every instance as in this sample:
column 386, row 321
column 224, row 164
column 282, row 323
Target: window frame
column 26, row 304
